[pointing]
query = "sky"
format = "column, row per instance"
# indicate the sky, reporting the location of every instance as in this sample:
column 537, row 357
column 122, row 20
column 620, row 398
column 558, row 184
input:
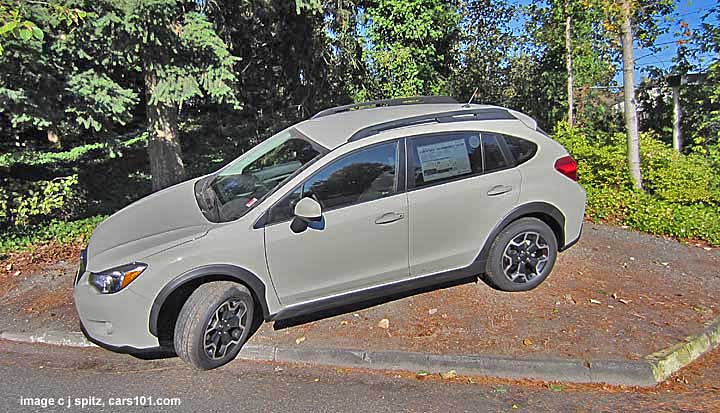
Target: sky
column 689, row 11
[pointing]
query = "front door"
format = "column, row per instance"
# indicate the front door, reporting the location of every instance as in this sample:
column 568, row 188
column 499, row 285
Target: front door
column 362, row 240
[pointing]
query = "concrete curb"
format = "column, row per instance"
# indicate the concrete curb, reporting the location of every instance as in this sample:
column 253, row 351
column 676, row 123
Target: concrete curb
column 667, row 361
column 649, row 371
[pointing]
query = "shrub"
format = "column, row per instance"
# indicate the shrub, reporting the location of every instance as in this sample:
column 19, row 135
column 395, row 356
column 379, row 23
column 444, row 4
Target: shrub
column 682, row 190
column 26, row 203
column 685, row 179
column 58, row 231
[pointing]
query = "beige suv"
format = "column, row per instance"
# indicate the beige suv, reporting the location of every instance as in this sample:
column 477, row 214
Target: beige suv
column 360, row 201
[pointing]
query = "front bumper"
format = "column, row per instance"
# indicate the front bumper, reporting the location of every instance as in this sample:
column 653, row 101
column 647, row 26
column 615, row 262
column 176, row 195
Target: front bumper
column 118, row 322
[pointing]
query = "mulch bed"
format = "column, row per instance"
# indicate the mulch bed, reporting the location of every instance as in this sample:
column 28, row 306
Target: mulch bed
column 616, row 295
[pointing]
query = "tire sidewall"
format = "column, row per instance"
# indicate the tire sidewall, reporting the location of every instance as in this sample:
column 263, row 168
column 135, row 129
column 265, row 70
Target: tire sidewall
column 198, row 331
column 495, row 272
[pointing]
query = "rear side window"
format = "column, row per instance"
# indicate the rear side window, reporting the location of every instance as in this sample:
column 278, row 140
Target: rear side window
column 521, row 149
column 445, row 157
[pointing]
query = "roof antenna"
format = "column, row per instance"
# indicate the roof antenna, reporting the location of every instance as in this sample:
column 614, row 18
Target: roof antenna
column 467, row 105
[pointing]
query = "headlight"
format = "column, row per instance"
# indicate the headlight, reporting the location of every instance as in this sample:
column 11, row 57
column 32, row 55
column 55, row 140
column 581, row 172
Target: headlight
column 115, row 279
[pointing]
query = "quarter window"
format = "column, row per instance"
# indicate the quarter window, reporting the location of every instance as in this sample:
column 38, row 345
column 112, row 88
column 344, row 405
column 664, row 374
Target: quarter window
column 495, row 158
column 521, row 149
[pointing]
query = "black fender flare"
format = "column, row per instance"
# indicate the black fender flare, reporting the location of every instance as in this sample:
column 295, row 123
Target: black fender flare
column 222, row 271
column 530, row 209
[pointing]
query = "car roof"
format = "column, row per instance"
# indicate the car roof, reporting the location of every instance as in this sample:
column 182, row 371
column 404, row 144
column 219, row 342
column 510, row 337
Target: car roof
column 334, row 130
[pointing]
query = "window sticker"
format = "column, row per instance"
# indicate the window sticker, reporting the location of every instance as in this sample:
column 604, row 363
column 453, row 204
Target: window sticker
column 444, row 160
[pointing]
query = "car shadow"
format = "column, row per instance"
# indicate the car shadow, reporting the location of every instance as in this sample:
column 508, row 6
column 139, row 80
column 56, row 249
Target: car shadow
column 365, row 304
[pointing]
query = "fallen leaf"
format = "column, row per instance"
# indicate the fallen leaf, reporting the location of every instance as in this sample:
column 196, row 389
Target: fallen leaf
column 356, row 315
column 16, row 273
column 515, row 406
column 555, row 387
column 421, row 374
column 471, row 381
column 299, row 340
column 707, row 248
column 317, row 380
column 343, row 322
column 624, row 301
column 593, row 301
column 9, row 267
column 499, row 389
column 432, row 311
column 278, row 369
column 384, row 323
column 527, row 342
column 614, row 296
column 449, row 375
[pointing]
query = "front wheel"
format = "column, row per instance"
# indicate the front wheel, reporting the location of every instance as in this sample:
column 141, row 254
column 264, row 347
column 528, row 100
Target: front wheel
column 214, row 324
column 521, row 256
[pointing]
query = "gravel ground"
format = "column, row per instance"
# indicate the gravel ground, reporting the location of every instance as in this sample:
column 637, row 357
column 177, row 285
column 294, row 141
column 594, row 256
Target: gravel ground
column 618, row 294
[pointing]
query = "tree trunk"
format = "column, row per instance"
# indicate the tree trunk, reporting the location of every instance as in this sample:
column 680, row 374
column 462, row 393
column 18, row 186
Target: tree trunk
column 677, row 117
column 631, row 121
column 570, row 79
column 164, row 151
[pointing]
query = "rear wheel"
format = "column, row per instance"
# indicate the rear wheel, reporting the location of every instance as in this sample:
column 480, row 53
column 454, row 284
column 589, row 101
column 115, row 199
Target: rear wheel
column 214, row 324
column 521, row 256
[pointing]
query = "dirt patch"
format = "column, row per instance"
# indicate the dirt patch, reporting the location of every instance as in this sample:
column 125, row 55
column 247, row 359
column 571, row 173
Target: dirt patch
column 616, row 295
column 36, row 289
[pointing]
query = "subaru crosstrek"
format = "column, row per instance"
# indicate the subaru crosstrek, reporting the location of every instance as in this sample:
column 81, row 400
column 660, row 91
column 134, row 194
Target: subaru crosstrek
column 358, row 202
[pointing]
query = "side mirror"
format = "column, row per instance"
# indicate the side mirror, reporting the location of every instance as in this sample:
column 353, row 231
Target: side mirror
column 308, row 209
column 307, row 212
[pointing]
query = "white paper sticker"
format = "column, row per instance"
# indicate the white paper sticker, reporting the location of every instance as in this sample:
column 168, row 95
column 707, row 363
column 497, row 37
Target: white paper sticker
column 444, row 160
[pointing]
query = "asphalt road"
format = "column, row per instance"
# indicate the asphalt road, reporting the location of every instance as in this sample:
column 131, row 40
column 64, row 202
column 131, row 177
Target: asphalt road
column 95, row 380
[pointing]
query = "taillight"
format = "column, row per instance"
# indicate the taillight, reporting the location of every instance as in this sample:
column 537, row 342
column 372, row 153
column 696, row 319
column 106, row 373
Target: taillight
column 567, row 166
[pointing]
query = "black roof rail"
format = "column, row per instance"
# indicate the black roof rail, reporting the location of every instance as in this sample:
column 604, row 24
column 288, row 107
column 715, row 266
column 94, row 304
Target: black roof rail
column 414, row 100
column 442, row 117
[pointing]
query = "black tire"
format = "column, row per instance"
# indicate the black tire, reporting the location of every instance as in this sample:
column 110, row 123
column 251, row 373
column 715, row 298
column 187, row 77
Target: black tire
column 521, row 258
column 210, row 303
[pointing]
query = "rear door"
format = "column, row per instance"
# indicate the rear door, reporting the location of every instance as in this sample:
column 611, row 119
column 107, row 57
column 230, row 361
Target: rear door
column 460, row 185
column 362, row 240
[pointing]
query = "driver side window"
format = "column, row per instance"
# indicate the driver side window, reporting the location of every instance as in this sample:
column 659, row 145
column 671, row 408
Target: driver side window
column 362, row 176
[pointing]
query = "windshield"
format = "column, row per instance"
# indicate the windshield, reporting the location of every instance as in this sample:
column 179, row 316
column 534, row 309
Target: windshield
column 235, row 189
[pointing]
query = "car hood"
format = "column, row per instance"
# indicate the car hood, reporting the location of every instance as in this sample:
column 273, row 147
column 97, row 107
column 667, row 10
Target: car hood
column 153, row 224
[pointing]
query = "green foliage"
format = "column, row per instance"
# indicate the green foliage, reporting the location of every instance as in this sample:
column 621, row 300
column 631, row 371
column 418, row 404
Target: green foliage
column 101, row 150
column 683, row 196
column 33, row 202
column 685, row 179
column 651, row 214
column 51, row 197
column 412, row 45
column 62, row 232
column 100, row 102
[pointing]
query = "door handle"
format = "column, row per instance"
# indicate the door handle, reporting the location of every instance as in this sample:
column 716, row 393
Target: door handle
column 499, row 190
column 389, row 217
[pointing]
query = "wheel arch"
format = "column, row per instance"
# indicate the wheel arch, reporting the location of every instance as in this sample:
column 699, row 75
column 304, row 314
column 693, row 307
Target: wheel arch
column 172, row 296
column 543, row 211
